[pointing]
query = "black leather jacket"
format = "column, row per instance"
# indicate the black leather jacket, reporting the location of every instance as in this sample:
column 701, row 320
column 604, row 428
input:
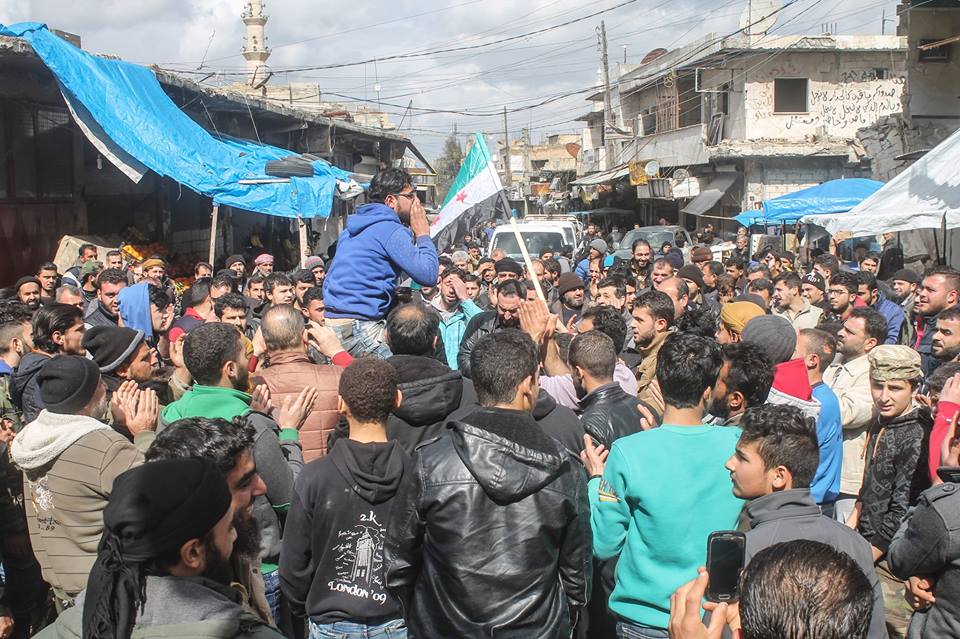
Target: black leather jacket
column 479, row 325
column 492, row 533
column 609, row 413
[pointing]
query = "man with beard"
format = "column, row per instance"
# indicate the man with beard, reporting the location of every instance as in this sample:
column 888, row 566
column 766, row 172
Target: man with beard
column 105, row 309
column 506, row 314
column 70, row 459
column 744, row 382
column 814, row 290
column 905, row 284
column 28, row 292
column 653, row 317
column 214, row 355
column 945, row 345
column 57, row 330
column 163, row 568
column 229, row 445
column 789, row 303
column 48, row 276
column 841, row 296
column 546, row 280
column 641, row 254
column 870, row 293
column 569, row 304
column 940, row 290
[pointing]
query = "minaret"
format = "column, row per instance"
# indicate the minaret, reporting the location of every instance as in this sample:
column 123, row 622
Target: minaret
column 256, row 50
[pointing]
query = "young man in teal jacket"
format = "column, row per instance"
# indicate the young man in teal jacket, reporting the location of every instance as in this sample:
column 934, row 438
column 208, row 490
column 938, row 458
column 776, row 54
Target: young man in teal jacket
column 456, row 309
column 661, row 492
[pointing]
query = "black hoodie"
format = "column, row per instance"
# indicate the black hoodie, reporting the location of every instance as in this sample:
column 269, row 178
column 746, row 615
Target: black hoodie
column 331, row 561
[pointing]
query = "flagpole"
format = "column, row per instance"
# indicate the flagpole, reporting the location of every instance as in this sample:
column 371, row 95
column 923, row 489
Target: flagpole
column 526, row 259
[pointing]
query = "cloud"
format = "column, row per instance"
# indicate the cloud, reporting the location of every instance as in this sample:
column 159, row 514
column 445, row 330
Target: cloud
column 181, row 33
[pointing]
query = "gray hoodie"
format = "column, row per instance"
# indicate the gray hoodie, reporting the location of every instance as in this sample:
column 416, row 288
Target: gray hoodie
column 791, row 515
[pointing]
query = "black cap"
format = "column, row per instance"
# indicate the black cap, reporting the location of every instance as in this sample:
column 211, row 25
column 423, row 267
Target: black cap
column 816, row 279
column 26, row 279
column 506, row 265
column 68, row 383
column 906, row 275
column 234, row 259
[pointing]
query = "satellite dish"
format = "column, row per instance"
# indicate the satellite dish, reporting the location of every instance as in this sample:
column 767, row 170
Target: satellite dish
column 653, row 55
column 759, row 16
column 652, row 168
column 681, row 174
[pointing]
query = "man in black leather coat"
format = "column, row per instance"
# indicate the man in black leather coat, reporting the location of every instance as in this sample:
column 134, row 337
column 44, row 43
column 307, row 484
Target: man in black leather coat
column 607, row 411
column 494, row 535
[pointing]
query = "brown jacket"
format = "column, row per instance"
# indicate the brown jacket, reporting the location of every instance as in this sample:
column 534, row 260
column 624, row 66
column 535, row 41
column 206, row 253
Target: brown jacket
column 646, row 373
column 286, row 376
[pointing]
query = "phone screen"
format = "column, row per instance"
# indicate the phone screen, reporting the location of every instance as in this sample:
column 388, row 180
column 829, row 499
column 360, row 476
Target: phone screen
column 724, row 562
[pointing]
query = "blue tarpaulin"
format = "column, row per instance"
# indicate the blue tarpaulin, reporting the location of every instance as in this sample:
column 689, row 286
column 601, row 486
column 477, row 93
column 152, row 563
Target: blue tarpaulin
column 835, row 196
column 128, row 105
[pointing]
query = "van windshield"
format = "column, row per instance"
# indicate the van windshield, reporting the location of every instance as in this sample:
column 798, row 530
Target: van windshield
column 536, row 241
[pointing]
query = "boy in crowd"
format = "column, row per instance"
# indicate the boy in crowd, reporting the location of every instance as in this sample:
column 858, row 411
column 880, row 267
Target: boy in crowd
column 344, row 500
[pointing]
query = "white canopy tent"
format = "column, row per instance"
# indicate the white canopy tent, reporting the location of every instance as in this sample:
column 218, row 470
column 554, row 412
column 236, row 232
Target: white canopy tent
column 925, row 196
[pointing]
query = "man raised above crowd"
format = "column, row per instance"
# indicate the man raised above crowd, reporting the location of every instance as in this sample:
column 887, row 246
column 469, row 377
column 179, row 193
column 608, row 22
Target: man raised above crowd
column 383, row 239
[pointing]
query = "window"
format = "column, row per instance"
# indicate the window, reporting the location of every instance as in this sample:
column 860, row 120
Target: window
column 37, row 145
column 790, row 95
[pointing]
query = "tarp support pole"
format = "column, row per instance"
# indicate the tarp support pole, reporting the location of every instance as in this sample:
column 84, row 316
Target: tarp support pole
column 213, row 233
column 303, row 241
column 526, row 259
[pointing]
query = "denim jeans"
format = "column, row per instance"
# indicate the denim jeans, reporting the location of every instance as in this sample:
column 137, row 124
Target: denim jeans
column 626, row 630
column 349, row 630
column 365, row 337
column 271, row 588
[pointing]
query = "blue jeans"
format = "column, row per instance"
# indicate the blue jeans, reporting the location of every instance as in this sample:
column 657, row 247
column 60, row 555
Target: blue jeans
column 626, row 630
column 271, row 587
column 349, row 630
column 366, row 337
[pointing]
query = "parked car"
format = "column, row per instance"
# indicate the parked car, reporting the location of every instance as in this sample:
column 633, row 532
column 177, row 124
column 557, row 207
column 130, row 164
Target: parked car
column 656, row 236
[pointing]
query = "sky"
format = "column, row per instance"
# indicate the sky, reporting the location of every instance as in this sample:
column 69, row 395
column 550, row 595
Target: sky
column 542, row 78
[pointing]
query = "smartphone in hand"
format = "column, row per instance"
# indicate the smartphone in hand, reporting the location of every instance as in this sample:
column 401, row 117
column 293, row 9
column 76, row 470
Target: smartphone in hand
column 726, row 551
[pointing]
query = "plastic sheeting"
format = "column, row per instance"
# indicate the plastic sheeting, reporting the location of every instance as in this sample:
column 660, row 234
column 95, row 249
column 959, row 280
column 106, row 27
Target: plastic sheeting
column 126, row 103
column 925, row 196
column 835, row 196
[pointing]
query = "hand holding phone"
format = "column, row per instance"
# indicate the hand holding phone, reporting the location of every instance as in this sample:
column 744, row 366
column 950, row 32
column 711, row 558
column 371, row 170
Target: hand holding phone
column 726, row 552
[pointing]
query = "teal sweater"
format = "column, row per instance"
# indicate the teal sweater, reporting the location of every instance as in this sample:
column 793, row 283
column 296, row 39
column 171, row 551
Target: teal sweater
column 662, row 493
column 453, row 327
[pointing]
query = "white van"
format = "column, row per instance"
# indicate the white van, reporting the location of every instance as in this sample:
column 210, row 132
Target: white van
column 539, row 235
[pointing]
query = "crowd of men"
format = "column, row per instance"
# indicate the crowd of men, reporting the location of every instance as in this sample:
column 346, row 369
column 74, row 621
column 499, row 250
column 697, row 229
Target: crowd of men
column 392, row 442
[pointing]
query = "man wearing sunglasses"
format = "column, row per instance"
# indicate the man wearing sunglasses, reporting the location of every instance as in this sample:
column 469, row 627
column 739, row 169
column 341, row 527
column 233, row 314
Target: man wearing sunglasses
column 385, row 238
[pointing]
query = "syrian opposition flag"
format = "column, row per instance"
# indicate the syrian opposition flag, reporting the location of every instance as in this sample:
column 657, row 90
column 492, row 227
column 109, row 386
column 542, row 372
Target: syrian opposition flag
column 475, row 196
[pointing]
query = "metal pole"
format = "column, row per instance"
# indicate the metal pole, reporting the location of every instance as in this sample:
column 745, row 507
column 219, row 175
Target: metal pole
column 303, row 240
column 607, row 107
column 507, row 174
column 213, row 233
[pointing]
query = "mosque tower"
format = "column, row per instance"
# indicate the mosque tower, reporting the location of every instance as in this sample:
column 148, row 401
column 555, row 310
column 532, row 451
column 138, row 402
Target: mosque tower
column 256, row 50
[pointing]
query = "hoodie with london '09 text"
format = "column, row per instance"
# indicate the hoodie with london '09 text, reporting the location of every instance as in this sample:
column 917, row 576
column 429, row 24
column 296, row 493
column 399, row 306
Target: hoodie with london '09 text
column 331, row 562
column 372, row 252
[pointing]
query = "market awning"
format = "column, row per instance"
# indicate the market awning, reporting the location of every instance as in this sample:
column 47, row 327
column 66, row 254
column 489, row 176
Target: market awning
column 709, row 196
column 603, row 177
column 834, row 196
column 122, row 107
column 926, row 195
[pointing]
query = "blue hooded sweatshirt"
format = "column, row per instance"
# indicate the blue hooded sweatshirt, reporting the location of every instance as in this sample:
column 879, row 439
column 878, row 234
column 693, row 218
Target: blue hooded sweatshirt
column 372, row 252
column 134, row 302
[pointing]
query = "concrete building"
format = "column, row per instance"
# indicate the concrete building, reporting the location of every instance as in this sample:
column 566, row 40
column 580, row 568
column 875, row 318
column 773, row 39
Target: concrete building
column 721, row 125
column 539, row 172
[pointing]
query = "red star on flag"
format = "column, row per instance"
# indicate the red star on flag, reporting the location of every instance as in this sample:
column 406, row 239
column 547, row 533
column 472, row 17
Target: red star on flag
column 461, row 196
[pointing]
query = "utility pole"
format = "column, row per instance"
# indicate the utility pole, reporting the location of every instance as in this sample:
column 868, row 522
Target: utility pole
column 507, row 175
column 607, row 108
column 525, row 138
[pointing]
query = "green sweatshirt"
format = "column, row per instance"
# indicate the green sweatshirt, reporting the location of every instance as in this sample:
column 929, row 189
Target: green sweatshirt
column 208, row 401
column 663, row 491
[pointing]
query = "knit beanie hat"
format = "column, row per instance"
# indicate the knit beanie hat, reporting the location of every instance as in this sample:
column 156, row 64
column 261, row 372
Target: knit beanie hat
column 906, row 275
column 68, row 383
column 110, row 346
column 233, row 259
column 701, row 254
column 675, row 258
column 599, row 245
column 506, row 265
column 312, row 262
column 568, row 282
column 774, row 334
